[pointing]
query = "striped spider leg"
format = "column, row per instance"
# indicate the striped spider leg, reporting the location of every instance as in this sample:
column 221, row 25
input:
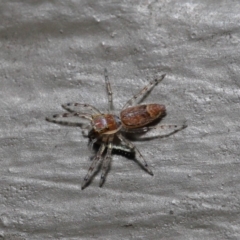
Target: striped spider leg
column 147, row 88
column 95, row 163
column 105, row 127
column 159, row 131
column 107, row 159
column 75, row 117
column 70, row 119
column 109, row 91
column 78, row 107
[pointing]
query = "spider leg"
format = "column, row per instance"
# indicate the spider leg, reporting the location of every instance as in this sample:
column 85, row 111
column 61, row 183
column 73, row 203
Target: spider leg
column 106, row 160
column 78, row 107
column 109, row 91
column 70, row 119
column 94, row 165
column 149, row 86
column 157, row 131
column 91, row 143
column 132, row 146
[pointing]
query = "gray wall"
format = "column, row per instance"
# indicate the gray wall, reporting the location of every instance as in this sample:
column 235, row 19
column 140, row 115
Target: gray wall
column 54, row 52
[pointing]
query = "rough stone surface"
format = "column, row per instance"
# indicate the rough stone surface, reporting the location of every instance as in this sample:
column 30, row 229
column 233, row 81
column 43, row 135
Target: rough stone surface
column 54, row 52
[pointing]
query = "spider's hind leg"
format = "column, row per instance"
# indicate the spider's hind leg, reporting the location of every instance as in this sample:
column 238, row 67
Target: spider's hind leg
column 94, row 166
column 109, row 91
column 147, row 88
column 141, row 159
column 107, row 160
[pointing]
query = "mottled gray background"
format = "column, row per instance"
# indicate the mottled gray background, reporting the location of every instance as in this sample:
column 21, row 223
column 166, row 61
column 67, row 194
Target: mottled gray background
column 54, row 52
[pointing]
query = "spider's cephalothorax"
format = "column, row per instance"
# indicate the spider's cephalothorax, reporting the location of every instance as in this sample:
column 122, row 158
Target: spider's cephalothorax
column 105, row 127
column 106, row 123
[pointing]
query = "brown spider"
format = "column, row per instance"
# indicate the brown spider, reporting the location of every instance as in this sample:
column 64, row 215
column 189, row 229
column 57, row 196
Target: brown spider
column 105, row 127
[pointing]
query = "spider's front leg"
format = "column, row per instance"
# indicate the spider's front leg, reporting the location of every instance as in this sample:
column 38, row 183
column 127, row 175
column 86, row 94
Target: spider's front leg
column 78, row 107
column 141, row 159
column 70, row 119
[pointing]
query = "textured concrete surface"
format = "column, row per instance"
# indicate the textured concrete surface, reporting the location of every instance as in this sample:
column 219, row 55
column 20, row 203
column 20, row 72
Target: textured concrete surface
column 54, row 52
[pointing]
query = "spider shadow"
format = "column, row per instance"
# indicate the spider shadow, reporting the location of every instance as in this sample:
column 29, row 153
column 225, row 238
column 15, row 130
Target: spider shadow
column 130, row 155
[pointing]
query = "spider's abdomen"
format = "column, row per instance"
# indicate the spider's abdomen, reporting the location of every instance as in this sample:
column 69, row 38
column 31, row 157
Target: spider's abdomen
column 141, row 115
column 106, row 123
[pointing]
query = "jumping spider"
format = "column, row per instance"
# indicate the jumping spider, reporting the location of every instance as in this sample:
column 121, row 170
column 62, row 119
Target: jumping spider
column 105, row 127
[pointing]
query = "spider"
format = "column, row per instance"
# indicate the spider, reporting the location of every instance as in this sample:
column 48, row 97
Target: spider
column 104, row 128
